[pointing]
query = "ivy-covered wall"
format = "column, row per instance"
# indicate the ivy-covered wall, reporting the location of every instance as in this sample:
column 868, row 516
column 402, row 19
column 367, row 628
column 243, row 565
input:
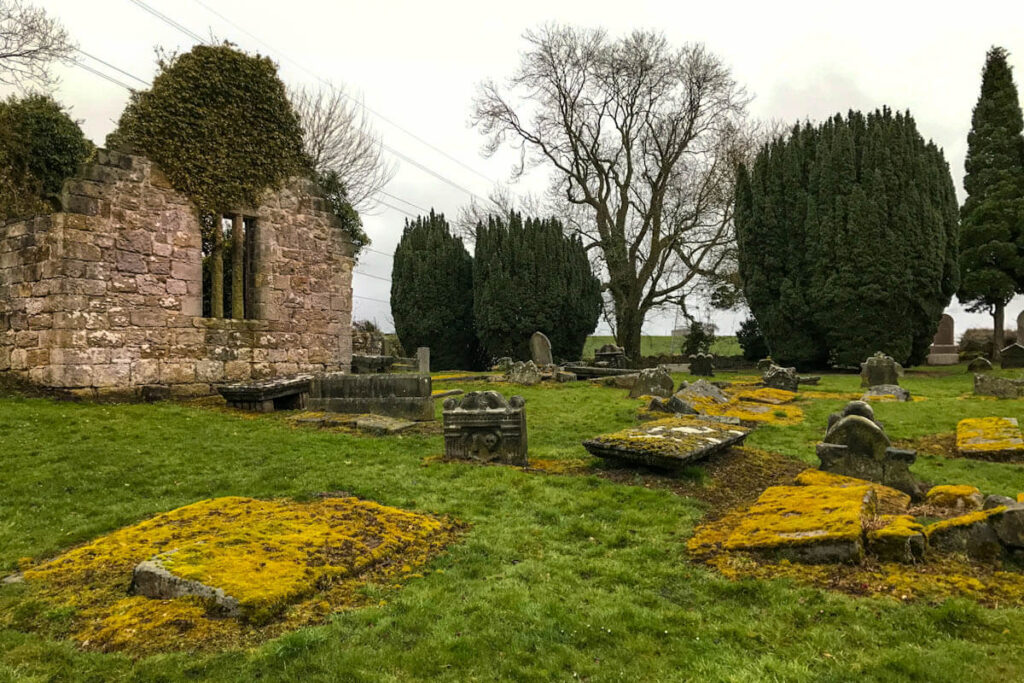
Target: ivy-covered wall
column 104, row 298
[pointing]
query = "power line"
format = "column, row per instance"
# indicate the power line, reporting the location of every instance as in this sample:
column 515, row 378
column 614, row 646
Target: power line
column 370, row 298
column 404, row 201
column 375, row 277
column 360, row 103
column 86, row 67
column 111, row 66
column 166, row 19
column 378, row 251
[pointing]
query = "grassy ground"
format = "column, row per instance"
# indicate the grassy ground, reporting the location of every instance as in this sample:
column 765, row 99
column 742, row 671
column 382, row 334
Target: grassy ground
column 664, row 345
column 560, row 577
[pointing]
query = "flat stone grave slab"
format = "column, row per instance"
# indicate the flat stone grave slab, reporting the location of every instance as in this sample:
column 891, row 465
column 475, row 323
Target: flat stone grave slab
column 814, row 524
column 380, row 425
column 265, row 396
column 668, row 443
column 773, row 397
column 990, row 438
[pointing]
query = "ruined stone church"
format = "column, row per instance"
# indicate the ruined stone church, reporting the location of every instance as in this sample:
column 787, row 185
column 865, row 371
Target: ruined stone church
column 107, row 296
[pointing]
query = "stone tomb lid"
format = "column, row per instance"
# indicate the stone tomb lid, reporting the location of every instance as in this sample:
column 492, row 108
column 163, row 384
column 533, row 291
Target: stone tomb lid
column 267, row 389
column 670, row 442
column 990, row 438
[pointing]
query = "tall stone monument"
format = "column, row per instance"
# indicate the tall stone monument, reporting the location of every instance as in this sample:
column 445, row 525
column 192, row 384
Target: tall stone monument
column 944, row 350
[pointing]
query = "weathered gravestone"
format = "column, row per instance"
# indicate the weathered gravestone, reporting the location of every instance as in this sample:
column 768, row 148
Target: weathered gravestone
column 979, row 364
column 669, row 443
column 990, row 438
column 857, row 446
column 610, row 356
column 880, row 369
column 423, row 360
column 778, row 377
column 540, row 350
column 1000, row 387
column 1012, row 357
column 403, row 396
column 652, row 382
column 526, row 373
column 484, row 427
column 702, row 365
column 765, row 363
column 1020, row 327
column 944, row 350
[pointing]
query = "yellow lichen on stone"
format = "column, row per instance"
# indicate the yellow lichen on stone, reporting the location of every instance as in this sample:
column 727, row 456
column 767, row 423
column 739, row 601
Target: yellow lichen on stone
column 287, row 563
column 963, row 520
column 796, row 515
column 889, row 499
column 894, row 526
column 987, row 434
column 952, row 496
column 764, row 395
column 670, row 436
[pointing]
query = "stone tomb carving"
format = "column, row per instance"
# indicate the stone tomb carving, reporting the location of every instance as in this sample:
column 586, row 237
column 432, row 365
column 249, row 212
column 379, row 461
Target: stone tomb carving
column 857, row 446
column 484, row 427
column 405, row 396
column 944, row 349
column 287, row 393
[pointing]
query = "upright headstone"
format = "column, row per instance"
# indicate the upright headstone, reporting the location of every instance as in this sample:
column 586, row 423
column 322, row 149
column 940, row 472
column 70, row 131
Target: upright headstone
column 702, row 365
column 777, row 377
column 1012, row 357
column 540, row 350
column 610, row 356
column 944, row 350
column 880, row 369
column 423, row 360
column 1020, row 328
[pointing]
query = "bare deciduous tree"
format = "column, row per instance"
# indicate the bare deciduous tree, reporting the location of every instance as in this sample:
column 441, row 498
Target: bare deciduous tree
column 500, row 202
column 30, row 42
column 338, row 136
column 641, row 137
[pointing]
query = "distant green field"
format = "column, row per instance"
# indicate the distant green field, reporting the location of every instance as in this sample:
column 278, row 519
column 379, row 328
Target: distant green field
column 665, row 345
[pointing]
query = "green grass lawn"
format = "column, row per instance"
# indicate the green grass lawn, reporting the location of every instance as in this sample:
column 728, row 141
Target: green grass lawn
column 664, row 345
column 559, row 577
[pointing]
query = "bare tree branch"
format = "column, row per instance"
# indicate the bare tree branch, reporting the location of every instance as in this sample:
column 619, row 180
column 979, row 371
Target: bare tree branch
column 30, row 42
column 641, row 138
column 339, row 136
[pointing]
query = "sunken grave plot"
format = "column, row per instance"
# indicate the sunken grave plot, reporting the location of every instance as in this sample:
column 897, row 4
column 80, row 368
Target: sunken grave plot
column 229, row 572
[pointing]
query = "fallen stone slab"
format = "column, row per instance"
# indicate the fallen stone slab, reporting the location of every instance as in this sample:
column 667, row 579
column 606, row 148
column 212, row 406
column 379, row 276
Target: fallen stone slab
column 811, row 524
column 971, row 534
column 151, row 579
column 1000, row 387
column 889, row 500
column 898, row 538
column 990, row 438
column 382, row 425
column 667, row 443
column 772, row 397
column 959, row 498
column 265, row 396
column 886, row 393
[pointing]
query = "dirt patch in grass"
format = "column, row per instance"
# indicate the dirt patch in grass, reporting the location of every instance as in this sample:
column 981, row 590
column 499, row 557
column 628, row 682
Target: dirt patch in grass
column 724, row 480
column 288, row 564
column 933, row 444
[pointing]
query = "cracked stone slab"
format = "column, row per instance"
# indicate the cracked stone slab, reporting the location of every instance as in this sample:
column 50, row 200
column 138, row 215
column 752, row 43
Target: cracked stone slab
column 151, row 579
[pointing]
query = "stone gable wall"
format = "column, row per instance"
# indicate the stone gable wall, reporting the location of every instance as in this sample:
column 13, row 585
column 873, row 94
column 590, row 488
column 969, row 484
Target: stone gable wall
column 104, row 298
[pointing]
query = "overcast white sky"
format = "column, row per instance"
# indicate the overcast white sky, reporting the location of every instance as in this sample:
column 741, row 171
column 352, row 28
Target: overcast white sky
column 418, row 63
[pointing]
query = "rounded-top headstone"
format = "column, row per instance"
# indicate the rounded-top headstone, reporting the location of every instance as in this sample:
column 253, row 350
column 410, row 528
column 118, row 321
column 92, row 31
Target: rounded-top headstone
column 860, row 435
column 540, row 349
column 945, row 335
column 1020, row 328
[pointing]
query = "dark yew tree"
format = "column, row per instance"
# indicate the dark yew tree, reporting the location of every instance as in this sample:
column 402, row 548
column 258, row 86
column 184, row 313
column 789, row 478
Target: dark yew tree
column 992, row 237
column 529, row 276
column 848, row 240
column 432, row 294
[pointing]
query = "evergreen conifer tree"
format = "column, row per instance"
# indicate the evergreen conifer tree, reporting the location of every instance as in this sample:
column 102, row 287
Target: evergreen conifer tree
column 432, row 294
column 992, row 233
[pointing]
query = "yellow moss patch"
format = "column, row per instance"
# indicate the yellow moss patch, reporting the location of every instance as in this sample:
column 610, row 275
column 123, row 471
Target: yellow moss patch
column 889, row 499
column 830, row 395
column 669, row 437
column 885, row 527
column 950, row 496
column 786, row 516
column 1020, row 497
column 765, row 395
column 750, row 412
column 963, row 520
column 980, row 435
column 561, row 465
column 288, row 564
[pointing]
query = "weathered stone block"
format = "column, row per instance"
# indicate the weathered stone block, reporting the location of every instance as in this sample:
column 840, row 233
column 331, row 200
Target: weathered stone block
column 880, row 369
column 484, row 427
column 406, row 396
column 652, row 382
column 668, row 443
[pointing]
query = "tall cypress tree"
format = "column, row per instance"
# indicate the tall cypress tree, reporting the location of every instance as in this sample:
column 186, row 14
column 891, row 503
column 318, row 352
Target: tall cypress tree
column 847, row 237
column 992, row 231
column 528, row 276
column 432, row 294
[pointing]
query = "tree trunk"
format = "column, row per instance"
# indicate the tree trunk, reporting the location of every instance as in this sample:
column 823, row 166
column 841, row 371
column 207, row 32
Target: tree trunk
column 217, row 270
column 628, row 323
column 237, row 267
column 998, row 320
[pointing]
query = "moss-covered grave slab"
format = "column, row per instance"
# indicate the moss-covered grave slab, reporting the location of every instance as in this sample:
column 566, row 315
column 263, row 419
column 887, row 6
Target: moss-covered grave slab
column 232, row 571
column 668, row 443
column 990, row 438
column 890, row 500
column 812, row 524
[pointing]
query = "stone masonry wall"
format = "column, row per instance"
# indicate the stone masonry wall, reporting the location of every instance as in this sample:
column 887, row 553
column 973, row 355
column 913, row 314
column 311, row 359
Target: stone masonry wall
column 104, row 298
